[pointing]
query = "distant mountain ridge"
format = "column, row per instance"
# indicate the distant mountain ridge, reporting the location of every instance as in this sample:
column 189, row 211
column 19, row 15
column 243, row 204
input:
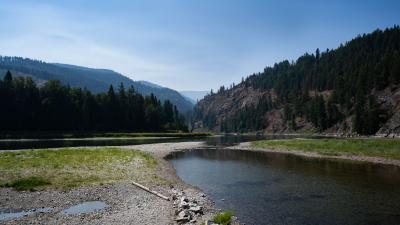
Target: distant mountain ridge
column 96, row 80
column 147, row 83
column 194, row 96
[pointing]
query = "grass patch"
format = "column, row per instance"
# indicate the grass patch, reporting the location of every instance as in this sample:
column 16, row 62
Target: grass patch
column 223, row 218
column 386, row 148
column 29, row 183
column 71, row 167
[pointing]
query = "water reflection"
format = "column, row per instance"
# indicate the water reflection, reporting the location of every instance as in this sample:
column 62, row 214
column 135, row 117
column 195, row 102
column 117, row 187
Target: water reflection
column 273, row 188
column 10, row 214
column 85, row 207
column 230, row 139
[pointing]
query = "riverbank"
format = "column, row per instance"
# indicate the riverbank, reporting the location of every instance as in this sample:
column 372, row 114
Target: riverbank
column 127, row 204
column 64, row 135
column 380, row 151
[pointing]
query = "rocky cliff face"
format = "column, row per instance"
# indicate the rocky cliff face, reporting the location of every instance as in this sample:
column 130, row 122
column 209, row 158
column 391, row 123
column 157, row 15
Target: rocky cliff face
column 220, row 106
column 389, row 99
column 216, row 108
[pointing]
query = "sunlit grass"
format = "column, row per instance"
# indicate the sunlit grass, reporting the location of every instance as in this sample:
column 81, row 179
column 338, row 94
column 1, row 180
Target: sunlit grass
column 71, row 167
column 387, row 148
column 223, row 218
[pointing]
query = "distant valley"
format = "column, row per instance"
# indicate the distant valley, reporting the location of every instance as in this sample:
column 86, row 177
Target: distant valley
column 96, row 80
column 194, row 96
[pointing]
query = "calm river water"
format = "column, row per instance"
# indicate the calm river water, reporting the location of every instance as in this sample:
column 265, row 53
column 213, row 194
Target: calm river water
column 271, row 188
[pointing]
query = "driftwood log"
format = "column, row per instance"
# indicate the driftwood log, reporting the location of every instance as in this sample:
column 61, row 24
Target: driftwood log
column 148, row 190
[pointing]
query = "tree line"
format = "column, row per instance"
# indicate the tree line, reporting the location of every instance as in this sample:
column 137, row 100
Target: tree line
column 350, row 75
column 57, row 107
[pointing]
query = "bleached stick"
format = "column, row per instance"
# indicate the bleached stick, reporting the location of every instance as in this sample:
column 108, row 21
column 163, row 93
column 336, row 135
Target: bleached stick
column 148, row 190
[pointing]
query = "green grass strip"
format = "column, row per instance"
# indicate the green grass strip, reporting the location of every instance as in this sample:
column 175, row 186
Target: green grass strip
column 71, row 167
column 386, row 148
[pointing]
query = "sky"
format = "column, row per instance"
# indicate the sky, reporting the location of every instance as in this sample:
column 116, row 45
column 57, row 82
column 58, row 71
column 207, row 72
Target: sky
column 184, row 44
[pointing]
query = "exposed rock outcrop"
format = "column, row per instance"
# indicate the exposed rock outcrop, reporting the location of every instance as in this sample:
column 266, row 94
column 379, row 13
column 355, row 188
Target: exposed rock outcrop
column 216, row 108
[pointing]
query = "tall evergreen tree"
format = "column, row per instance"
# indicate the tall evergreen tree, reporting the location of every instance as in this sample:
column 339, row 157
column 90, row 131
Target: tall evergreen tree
column 8, row 78
column 53, row 107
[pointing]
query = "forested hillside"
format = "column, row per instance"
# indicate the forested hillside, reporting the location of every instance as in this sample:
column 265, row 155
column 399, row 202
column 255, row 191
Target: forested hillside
column 352, row 89
column 95, row 80
column 55, row 107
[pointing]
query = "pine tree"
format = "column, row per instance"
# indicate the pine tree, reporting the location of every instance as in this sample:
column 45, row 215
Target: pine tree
column 359, row 115
column 8, row 78
column 321, row 114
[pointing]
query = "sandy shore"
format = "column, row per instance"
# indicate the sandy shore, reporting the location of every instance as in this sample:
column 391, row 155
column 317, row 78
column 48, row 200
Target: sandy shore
column 376, row 160
column 127, row 203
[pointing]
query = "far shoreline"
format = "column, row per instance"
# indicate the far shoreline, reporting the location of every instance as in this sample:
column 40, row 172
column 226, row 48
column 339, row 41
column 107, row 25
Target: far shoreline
column 15, row 135
column 357, row 158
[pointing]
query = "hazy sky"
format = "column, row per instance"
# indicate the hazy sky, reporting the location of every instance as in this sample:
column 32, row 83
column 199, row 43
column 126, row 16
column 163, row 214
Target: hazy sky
column 187, row 44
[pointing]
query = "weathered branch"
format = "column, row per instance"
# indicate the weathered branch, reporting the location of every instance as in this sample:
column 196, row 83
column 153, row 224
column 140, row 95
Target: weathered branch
column 148, row 190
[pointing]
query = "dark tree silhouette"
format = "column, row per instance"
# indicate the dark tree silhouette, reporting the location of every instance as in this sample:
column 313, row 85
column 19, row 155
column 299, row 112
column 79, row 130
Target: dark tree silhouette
column 55, row 107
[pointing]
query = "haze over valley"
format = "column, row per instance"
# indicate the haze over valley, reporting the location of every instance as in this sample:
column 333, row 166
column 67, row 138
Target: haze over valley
column 199, row 112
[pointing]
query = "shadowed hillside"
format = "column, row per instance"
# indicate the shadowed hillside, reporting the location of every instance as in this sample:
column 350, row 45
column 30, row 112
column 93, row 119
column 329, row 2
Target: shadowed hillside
column 352, row 89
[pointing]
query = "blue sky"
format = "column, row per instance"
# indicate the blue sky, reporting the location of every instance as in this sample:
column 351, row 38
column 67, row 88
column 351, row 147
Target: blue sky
column 185, row 45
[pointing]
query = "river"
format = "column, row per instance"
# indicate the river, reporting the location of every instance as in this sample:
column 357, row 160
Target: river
column 273, row 188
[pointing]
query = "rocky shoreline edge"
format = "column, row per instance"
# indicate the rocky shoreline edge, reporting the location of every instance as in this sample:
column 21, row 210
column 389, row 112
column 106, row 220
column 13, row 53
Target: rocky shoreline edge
column 190, row 204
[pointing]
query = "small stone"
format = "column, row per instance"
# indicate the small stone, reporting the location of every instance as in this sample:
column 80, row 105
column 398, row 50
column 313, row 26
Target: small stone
column 184, row 199
column 183, row 217
column 177, row 212
column 184, row 205
column 196, row 209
